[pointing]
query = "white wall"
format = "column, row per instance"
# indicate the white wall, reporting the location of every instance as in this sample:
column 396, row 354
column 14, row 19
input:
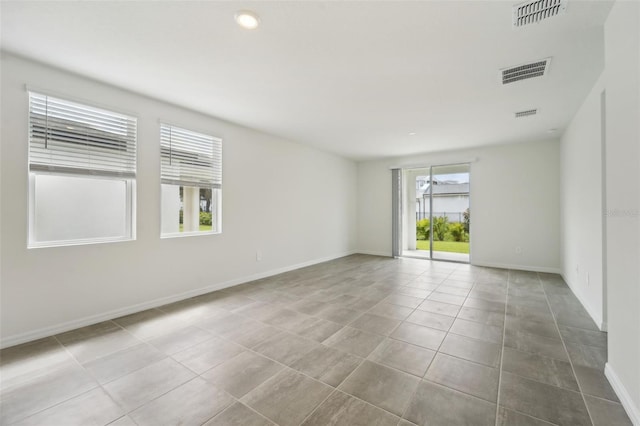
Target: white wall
column 622, row 73
column 581, row 205
column 276, row 196
column 515, row 202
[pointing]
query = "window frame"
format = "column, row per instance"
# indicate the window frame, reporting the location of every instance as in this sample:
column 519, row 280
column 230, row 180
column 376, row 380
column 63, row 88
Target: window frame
column 216, row 187
column 35, row 169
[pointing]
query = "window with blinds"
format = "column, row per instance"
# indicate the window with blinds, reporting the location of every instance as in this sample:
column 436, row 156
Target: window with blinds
column 191, row 176
column 69, row 137
column 82, row 168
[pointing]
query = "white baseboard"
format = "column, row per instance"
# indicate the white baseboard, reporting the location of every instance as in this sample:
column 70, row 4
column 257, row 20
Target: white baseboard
column 374, row 253
column 597, row 318
column 632, row 410
column 517, row 267
column 29, row 336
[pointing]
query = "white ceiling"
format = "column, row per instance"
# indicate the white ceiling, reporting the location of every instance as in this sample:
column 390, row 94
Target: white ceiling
column 353, row 78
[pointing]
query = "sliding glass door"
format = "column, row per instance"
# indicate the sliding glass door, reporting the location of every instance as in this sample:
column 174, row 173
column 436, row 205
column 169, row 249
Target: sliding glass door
column 449, row 212
column 432, row 217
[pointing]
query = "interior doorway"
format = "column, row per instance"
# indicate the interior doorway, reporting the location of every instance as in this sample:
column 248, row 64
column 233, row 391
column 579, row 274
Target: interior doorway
column 436, row 216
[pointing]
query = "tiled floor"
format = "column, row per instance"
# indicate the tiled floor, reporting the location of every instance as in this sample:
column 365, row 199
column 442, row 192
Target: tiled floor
column 361, row 340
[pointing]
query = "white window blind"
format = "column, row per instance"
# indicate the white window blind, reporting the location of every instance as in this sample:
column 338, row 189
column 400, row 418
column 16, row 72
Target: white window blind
column 190, row 158
column 68, row 137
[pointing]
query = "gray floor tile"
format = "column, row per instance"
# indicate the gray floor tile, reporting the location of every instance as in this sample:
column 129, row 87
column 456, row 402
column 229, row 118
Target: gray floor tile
column 354, row 341
column 530, row 314
column 446, row 298
column 230, row 301
column 123, row 421
column 328, row 365
column 512, row 418
column 235, row 339
column 148, row 324
column 363, row 304
column 124, row 362
column 309, row 307
column 180, row 339
column 94, row 407
column 29, row 360
column 318, row 330
column 575, row 320
column 495, row 296
column 191, row 403
column 413, row 291
column 404, row 300
column 433, row 405
column 341, row 409
column 448, row 289
column 391, row 311
column 256, row 311
column 478, row 351
column 338, row 314
column 242, row 373
column 593, row 382
column 584, row 337
column 238, row 415
column 546, row 402
column 607, row 413
column 97, row 340
column 43, row 391
column 426, row 337
column 485, row 305
column 483, row 317
column 193, row 309
column 477, row 330
column 142, row 386
column 544, row 329
column 286, row 348
column 228, row 324
column 375, row 324
column 465, row 376
column 539, row 345
column 288, row 319
column 430, row 319
column 439, row 308
column 542, row 369
column 403, row 356
column 251, row 334
column 288, row 398
column 381, row 386
column 208, row 354
column 587, row 356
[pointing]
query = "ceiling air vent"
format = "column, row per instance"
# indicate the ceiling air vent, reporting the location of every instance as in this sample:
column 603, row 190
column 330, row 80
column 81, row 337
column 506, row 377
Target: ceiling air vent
column 526, row 113
column 522, row 72
column 535, row 11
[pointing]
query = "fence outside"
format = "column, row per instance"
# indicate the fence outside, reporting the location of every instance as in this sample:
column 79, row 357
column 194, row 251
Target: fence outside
column 451, row 216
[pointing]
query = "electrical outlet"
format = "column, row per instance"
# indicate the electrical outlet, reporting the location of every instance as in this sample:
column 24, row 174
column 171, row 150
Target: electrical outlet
column 258, row 255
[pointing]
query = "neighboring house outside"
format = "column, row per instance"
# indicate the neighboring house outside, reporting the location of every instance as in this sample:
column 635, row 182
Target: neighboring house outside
column 450, row 198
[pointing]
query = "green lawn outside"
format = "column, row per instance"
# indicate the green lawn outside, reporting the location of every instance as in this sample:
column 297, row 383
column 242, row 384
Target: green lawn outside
column 447, row 246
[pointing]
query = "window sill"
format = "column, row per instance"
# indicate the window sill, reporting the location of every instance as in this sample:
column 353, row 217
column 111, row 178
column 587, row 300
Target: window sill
column 189, row 234
column 49, row 244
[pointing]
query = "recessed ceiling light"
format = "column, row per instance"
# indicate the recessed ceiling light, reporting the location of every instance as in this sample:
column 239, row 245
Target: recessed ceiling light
column 412, row 134
column 247, row 19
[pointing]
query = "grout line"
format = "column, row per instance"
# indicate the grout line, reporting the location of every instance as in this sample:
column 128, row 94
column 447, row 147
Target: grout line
column 504, row 332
